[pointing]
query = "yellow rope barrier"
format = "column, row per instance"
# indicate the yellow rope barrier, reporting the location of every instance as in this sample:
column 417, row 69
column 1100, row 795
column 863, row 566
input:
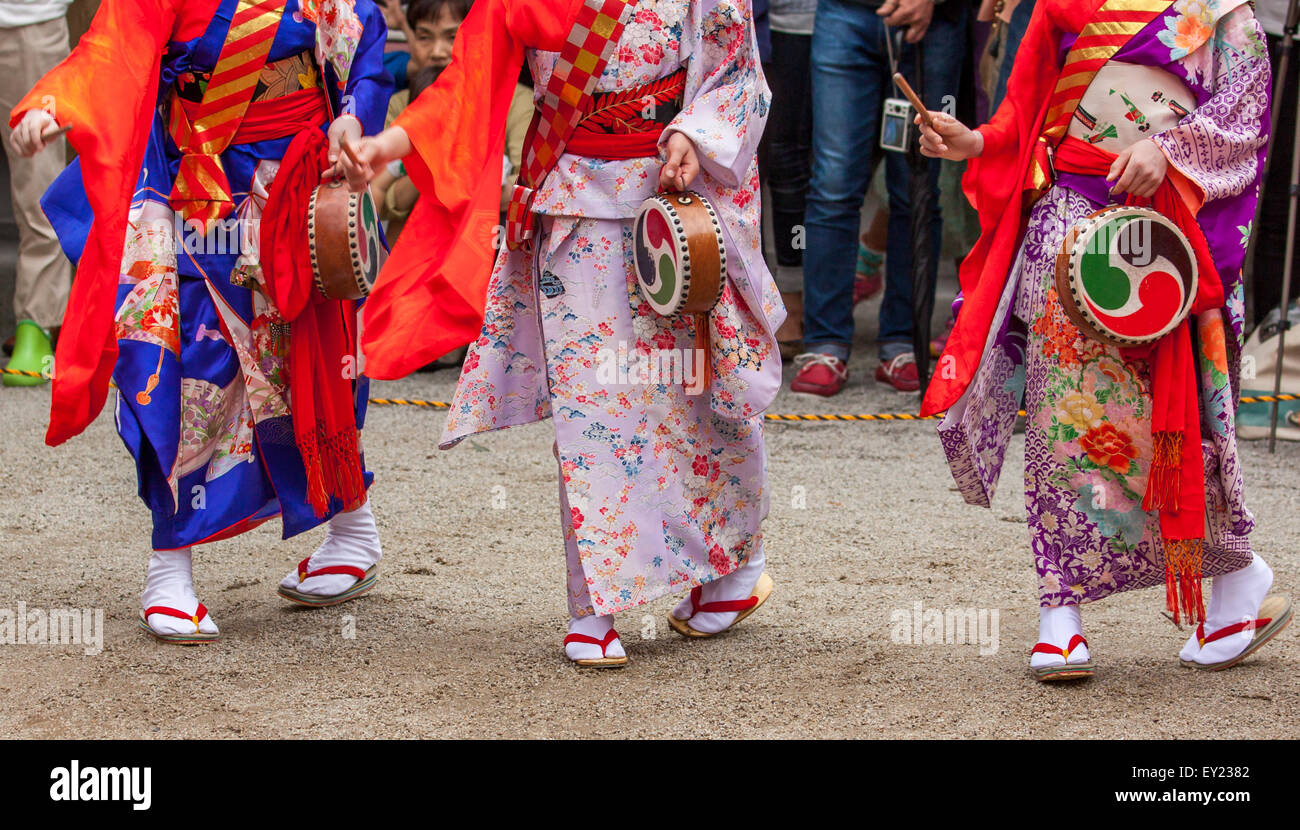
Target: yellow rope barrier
column 405, row 402
column 793, row 418
column 786, row 418
column 26, row 374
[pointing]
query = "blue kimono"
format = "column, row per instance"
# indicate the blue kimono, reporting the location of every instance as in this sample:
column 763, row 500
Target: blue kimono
column 203, row 401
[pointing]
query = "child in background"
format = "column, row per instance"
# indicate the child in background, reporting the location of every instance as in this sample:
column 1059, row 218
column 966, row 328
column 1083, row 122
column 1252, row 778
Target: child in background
column 432, row 26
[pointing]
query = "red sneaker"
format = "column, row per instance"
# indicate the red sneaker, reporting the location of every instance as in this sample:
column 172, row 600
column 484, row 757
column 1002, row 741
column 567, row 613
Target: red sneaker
column 819, row 374
column 900, row 373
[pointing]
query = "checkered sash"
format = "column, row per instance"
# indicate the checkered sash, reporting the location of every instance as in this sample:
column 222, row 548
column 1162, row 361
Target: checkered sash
column 566, row 99
column 1106, row 33
column 201, row 192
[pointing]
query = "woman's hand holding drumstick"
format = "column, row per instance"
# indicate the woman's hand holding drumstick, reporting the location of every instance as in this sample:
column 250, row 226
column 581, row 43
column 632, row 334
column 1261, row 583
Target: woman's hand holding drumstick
column 35, row 131
column 942, row 136
column 364, row 158
column 947, row 138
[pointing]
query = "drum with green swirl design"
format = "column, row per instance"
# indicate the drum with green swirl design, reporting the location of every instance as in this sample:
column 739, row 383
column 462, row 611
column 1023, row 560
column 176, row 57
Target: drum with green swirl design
column 681, row 258
column 347, row 247
column 1126, row 276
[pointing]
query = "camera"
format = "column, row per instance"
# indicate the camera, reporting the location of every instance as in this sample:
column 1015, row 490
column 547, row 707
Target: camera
column 896, row 125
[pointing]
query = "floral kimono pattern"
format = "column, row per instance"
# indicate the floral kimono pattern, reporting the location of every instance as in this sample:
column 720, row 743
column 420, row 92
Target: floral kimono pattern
column 662, row 489
column 1088, row 429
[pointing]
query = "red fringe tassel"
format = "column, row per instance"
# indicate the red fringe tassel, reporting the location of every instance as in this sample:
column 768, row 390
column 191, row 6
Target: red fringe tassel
column 333, row 467
column 1165, row 475
column 1183, row 595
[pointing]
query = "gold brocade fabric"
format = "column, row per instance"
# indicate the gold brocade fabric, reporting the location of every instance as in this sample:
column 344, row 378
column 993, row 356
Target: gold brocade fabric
column 276, row 80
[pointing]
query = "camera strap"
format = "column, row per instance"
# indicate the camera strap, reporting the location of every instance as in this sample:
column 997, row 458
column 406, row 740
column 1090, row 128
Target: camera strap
column 889, row 49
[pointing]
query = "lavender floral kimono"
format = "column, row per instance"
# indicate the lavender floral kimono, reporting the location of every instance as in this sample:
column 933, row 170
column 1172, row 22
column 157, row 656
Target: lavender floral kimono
column 1196, row 80
column 661, row 489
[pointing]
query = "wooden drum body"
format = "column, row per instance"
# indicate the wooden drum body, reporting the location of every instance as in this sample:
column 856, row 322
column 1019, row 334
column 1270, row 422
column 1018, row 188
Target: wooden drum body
column 347, row 249
column 681, row 261
column 1126, row 276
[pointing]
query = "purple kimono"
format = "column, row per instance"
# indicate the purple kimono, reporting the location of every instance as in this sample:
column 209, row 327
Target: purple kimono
column 1196, row 81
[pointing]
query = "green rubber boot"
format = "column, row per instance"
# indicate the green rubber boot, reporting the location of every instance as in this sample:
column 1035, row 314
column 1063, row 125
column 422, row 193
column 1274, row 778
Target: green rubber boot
column 33, row 352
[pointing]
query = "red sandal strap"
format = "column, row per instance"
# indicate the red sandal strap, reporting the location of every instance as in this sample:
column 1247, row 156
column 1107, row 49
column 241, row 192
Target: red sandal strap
column 695, row 600
column 610, row 636
column 199, row 613
column 722, row 606
column 1229, row 630
column 1048, row 648
column 349, row 570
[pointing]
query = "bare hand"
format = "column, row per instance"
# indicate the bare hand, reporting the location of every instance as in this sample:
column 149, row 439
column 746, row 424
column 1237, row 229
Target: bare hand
column 344, row 128
column 682, row 166
column 1139, row 169
column 26, row 137
column 949, row 138
column 915, row 15
column 372, row 154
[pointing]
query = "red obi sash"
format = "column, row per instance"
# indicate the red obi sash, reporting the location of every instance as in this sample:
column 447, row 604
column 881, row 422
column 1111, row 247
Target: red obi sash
column 201, row 191
column 273, row 118
column 627, row 124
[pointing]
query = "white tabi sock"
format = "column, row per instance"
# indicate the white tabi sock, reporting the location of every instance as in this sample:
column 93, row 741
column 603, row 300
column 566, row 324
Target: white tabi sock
column 351, row 539
column 1058, row 626
column 737, row 585
column 597, row 627
column 581, row 618
column 1234, row 598
column 170, row 583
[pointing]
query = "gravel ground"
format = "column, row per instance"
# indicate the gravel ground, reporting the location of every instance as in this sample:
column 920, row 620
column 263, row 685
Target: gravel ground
column 461, row 637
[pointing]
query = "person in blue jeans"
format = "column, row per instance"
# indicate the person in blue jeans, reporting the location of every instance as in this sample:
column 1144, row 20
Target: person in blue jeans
column 1015, row 33
column 851, row 78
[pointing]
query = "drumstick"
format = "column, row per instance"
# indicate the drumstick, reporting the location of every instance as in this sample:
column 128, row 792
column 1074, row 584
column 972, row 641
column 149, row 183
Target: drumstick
column 333, row 171
column 55, row 132
column 349, row 152
column 346, row 147
column 915, row 99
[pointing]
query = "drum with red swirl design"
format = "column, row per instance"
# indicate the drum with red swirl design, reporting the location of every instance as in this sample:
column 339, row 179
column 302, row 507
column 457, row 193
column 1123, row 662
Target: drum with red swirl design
column 1126, row 276
column 681, row 261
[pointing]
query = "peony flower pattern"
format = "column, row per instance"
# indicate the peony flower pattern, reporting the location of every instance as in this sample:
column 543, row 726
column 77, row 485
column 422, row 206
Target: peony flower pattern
column 1080, row 411
column 1107, row 446
column 1190, row 24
